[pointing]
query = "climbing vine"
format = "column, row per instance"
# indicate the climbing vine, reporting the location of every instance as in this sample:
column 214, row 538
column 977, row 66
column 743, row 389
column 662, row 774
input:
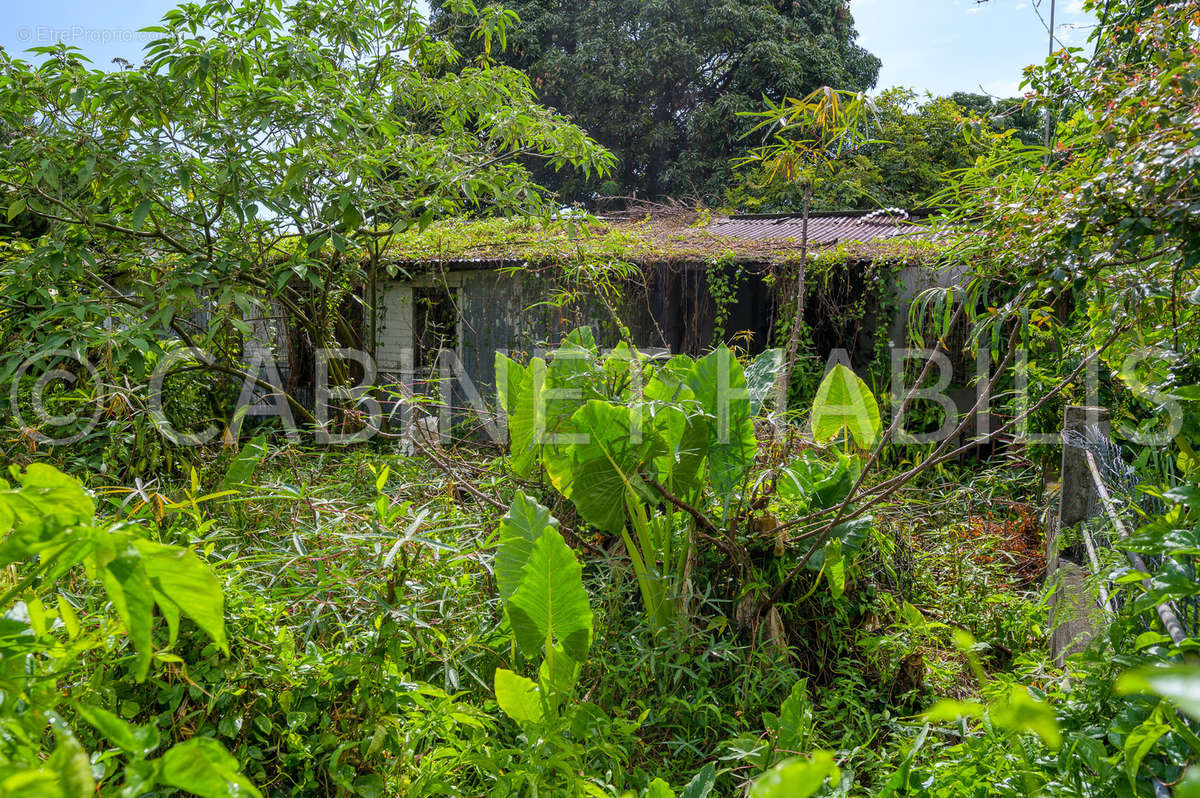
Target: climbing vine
column 724, row 279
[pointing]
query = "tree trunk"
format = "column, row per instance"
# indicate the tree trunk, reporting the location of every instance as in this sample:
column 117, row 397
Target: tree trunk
column 784, row 378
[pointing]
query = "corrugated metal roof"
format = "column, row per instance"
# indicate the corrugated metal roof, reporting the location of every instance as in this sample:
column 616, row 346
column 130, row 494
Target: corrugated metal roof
column 824, row 229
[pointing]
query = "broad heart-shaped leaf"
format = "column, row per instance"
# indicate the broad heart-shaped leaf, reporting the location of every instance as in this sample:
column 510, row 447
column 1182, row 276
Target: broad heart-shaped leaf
column 189, row 583
column 518, row 697
column 719, row 384
column 684, row 444
column 572, row 378
column 684, row 433
column 597, row 472
column 581, row 338
column 520, row 527
column 518, row 398
column 821, row 483
column 550, row 605
column 203, row 767
column 796, row 778
column 844, row 402
column 760, row 378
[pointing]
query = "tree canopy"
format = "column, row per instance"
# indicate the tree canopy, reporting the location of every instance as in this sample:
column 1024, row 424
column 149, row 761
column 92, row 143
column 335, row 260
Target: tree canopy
column 661, row 83
column 264, row 153
column 910, row 146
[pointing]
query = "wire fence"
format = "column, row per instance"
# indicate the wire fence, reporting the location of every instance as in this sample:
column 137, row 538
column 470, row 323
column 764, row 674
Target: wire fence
column 1123, row 508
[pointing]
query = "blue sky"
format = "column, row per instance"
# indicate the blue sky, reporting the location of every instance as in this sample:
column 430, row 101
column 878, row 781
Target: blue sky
column 931, row 45
column 962, row 45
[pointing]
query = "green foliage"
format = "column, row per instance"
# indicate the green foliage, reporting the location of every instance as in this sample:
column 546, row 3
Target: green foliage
column 915, row 144
column 608, row 65
column 49, row 527
column 844, row 403
column 797, row 777
column 615, row 434
column 263, row 166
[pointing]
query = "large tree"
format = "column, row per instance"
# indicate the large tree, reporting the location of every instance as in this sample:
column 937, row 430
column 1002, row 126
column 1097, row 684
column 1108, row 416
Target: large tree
column 661, row 83
column 263, row 156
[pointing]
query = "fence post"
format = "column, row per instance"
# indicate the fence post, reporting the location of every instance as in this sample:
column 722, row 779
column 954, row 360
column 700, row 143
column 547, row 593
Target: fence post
column 1077, row 495
column 1074, row 616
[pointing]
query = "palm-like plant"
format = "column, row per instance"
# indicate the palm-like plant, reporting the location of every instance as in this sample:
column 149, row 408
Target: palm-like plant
column 804, row 139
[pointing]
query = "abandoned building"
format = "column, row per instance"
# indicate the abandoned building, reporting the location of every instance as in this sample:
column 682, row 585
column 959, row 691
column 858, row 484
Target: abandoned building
column 686, row 282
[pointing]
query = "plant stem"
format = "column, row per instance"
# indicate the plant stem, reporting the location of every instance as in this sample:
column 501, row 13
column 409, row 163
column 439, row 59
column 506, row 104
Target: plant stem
column 784, row 378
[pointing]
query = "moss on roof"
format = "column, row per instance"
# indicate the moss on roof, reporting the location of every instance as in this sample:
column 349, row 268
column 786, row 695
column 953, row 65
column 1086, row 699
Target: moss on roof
column 645, row 241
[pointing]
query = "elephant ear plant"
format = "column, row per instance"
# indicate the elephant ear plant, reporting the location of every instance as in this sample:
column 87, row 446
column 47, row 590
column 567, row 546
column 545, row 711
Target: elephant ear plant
column 639, row 446
column 660, row 452
column 540, row 582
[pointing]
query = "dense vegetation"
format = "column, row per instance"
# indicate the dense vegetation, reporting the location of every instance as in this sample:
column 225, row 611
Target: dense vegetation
column 661, row 84
column 681, row 575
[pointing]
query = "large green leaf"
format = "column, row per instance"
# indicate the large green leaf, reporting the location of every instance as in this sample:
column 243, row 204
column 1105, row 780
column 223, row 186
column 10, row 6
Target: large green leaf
column 719, row 384
column 702, row 783
column 132, row 596
column 518, row 396
column 796, row 778
column 46, row 501
column 844, row 402
column 1139, row 742
column 1180, row 684
column 658, row 789
column 137, row 740
column 185, row 579
column 203, row 767
column 572, row 378
column 524, row 523
column 835, row 567
column 581, row 338
column 1016, row 710
column 597, row 472
column 820, row 483
column 70, row 764
column 550, row 605
column 518, row 697
column 676, row 419
column 795, row 720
